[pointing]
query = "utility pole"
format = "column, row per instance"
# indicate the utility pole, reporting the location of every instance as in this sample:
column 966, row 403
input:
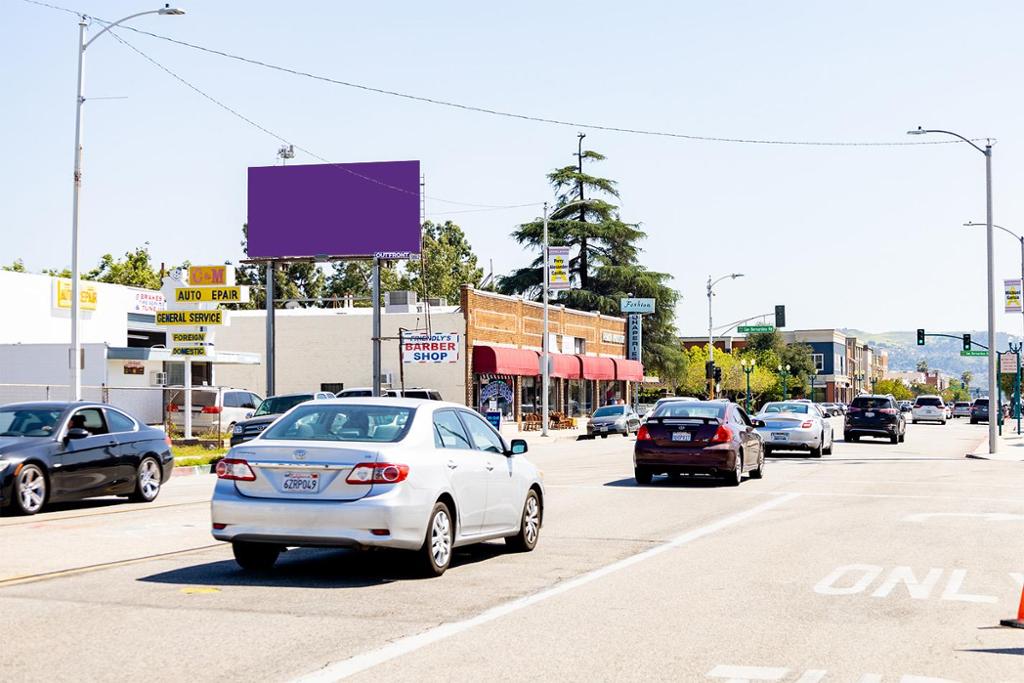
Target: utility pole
column 584, row 261
column 545, row 355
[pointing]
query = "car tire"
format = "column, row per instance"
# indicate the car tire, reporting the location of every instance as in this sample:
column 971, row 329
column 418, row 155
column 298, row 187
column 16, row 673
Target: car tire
column 148, row 480
column 767, row 450
column 831, row 443
column 529, row 525
column 973, row 421
column 852, row 438
column 943, row 422
column 643, row 476
column 913, row 422
column 894, row 439
column 758, row 473
column 903, row 437
column 604, row 436
column 255, row 557
column 436, row 554
column 736, row 476
column 626, row 433
column 30, row 490
column 816, row 452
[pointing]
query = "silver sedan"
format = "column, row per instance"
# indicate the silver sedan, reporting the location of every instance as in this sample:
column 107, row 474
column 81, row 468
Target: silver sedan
column 417, row 475
column 795, row 425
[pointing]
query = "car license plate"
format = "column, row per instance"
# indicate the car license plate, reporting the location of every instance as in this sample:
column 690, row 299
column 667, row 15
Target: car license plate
column 301, row 483
column 681, row 436
column 780, row 436
column 604, row 428
column 869, row 414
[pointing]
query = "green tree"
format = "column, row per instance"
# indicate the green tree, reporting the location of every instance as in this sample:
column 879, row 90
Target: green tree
column 448, row 262
column 604, row 267
column 17, row 266
column 965, row 378
column 922, row 365
column 895, row 387
column 135, row 270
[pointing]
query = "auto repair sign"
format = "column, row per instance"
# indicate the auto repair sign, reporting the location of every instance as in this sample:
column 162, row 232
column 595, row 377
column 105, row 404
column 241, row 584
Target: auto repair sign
column 439, row 347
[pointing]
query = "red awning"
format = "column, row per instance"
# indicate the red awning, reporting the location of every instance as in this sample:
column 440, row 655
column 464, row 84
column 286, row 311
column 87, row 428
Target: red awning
column 496, row 360
column 597, row 368
column 565, row 366
column 629, row 370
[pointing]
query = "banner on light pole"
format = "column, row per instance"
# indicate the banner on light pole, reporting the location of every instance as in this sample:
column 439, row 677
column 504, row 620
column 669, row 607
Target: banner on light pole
column 1011, row 290
column 558, row 268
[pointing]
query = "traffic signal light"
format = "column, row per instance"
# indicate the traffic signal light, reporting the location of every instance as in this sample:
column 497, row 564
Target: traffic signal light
column 780, row 316
column 709, row 369
column 967, row 342
column 920, row 336
column 718, row 374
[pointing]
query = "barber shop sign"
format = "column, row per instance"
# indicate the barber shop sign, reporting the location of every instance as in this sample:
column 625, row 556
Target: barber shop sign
column 439, row 347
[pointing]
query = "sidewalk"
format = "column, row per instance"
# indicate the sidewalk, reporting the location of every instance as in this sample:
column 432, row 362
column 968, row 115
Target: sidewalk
column 509, row 431
column 1011, row 448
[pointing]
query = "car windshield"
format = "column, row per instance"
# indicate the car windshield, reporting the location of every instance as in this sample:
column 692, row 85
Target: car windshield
column 982, row 403
column 870, row 403
column 610, row 410
column 275, row 405
column 785, row 408
column 327, row 422
column 929, row 401
column 691, row 409
column 28, row 421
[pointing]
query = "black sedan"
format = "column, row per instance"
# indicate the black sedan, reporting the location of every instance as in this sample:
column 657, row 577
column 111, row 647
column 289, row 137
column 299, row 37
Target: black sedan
column 52, row 452
column 269, row 410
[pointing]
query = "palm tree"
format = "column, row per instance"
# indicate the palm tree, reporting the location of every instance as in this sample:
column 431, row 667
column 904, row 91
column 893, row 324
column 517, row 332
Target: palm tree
column 966, row 376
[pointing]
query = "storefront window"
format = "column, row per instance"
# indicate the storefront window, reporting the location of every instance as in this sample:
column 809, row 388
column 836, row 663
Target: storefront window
column 496, row 395
column 531, row 395
column 577, row 399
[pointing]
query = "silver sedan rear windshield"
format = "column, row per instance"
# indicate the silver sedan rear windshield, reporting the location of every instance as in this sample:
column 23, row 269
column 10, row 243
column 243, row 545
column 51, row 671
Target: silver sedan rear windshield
column 325, row 422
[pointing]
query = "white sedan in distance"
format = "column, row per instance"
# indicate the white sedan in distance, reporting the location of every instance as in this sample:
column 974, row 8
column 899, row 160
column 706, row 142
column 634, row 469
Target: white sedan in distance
column 795, row 425
column 417, row 475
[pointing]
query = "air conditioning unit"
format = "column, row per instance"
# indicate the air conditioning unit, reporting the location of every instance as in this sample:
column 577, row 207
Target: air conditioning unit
column 400, row 302
column 437, row 301
column 387, row 378
column 158, row 379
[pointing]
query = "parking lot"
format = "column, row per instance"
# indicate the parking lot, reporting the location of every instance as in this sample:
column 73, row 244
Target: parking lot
column 879, row 560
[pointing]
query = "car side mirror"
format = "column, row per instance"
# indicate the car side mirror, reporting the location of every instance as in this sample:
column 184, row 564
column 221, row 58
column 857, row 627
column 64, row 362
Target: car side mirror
column 517, row 447
column 248, row 415
column 76, row 433
column 757, row 422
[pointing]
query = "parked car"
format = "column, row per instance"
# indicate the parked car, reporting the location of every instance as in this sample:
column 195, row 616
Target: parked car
column 213, row 408
column 929, row 408
column 791, row 426
column 715, row 438
column 322, row 395
column 961, row 409
column 613, row 420
column 831, row 409
column 424, row 476
column 54, row 452
column 411, row 392
column 906, row 406
column 269, row 410
column 979, row 411
column 874, row 415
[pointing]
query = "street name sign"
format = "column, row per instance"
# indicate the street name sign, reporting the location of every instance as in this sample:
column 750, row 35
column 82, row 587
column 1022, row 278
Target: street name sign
column 755, row 329
column 222, row 295
column 632, row 305
column 190, row 318
column 975, row 353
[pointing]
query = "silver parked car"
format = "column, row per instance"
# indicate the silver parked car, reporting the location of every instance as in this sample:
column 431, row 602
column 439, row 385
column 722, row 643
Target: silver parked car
column 795, row 425
column 418, row 475
column 613, row 420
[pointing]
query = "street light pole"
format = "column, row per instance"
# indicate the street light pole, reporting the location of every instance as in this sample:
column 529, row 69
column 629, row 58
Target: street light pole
column 748, row 369
column 545, row 356
column 711, row 334
column 784, row 371
column 993, row 383
column 75, row 360
column 1019, row 238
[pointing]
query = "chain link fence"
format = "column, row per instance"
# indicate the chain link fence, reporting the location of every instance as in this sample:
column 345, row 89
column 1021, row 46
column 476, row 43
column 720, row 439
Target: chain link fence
column 145, row 403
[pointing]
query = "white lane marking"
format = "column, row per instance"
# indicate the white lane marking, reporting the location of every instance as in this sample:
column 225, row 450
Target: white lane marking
column 918, row 589
column 851, row 579
column 403, row 646
column 746, row 674
column 952, row 592
column 987, row 516
column 835, row 494
column 868, row 573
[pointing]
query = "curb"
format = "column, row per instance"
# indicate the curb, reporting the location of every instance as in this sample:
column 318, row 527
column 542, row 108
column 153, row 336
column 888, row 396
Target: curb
column 191, row 470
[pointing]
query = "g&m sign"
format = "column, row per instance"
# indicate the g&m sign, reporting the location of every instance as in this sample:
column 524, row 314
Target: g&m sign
column 440, row 347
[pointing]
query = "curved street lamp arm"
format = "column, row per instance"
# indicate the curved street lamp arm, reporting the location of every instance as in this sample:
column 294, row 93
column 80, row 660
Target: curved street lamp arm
column 956, row 135
column 1006, row 230
column 119, row 21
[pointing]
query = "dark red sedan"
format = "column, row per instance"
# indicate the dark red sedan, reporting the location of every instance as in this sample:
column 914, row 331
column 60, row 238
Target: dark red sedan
column 715, row 438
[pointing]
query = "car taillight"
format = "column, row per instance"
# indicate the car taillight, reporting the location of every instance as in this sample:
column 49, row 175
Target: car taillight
column 211, row 410
column 643, row 434
column 807, row 424
column 889, row 411
column 377, row 473
column 232, row 468
column 722, row 435
column 167, row 439
column 172, row 408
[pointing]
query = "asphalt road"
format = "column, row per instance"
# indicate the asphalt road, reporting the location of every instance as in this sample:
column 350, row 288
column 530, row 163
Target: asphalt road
column 878, row 563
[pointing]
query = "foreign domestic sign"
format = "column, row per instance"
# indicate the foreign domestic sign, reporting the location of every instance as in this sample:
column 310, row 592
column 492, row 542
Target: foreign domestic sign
column 1011, row 289
column 974, row 353
column 558, row 268
column 439, row 347
column 755, row 329
column 188, row 337
column 635, row 328
column 190, row 317
column 189, row 351
column 87, row 296
column 211, row 276
column 222, row 295
column 632, row 305
column 1008, row 364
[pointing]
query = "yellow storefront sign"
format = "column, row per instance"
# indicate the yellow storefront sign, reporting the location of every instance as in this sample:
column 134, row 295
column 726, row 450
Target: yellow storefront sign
column 224, row 295
column 199, row 276
column 186, row 337
column 189, row 351
column 86, row 295
column 190, row 318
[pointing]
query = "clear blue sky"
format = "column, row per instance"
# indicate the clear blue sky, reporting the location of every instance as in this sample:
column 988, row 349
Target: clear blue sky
column 858, row 237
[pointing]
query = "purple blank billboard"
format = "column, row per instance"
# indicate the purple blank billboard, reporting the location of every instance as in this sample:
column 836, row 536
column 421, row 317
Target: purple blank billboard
column 314, row 210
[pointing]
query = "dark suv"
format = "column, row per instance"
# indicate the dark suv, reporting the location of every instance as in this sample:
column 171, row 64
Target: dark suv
column 979, row 411
column 875, row 416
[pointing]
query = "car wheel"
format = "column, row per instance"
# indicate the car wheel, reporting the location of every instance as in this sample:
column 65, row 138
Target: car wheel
column 816, row 452
column 974, row 422
column 831, row 442
column 29, row 490
column 529, row 529
column 255, row 557
column 767, row 450
column 759, row 472
column 604, row 436
column 913, row 422
column 436, row 554
column 643, row 475
column 894, row 439
column 903, row 437
column 148, row 479
column 736, row 476
column 943, row 422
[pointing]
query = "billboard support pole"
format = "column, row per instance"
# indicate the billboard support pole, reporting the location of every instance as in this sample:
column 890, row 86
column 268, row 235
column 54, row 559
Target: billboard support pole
column 545, row 356
column 376, row 326
column 270, row 329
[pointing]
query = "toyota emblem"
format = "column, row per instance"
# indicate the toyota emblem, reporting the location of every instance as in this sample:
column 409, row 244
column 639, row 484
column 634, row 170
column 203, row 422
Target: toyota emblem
column 300, row 454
